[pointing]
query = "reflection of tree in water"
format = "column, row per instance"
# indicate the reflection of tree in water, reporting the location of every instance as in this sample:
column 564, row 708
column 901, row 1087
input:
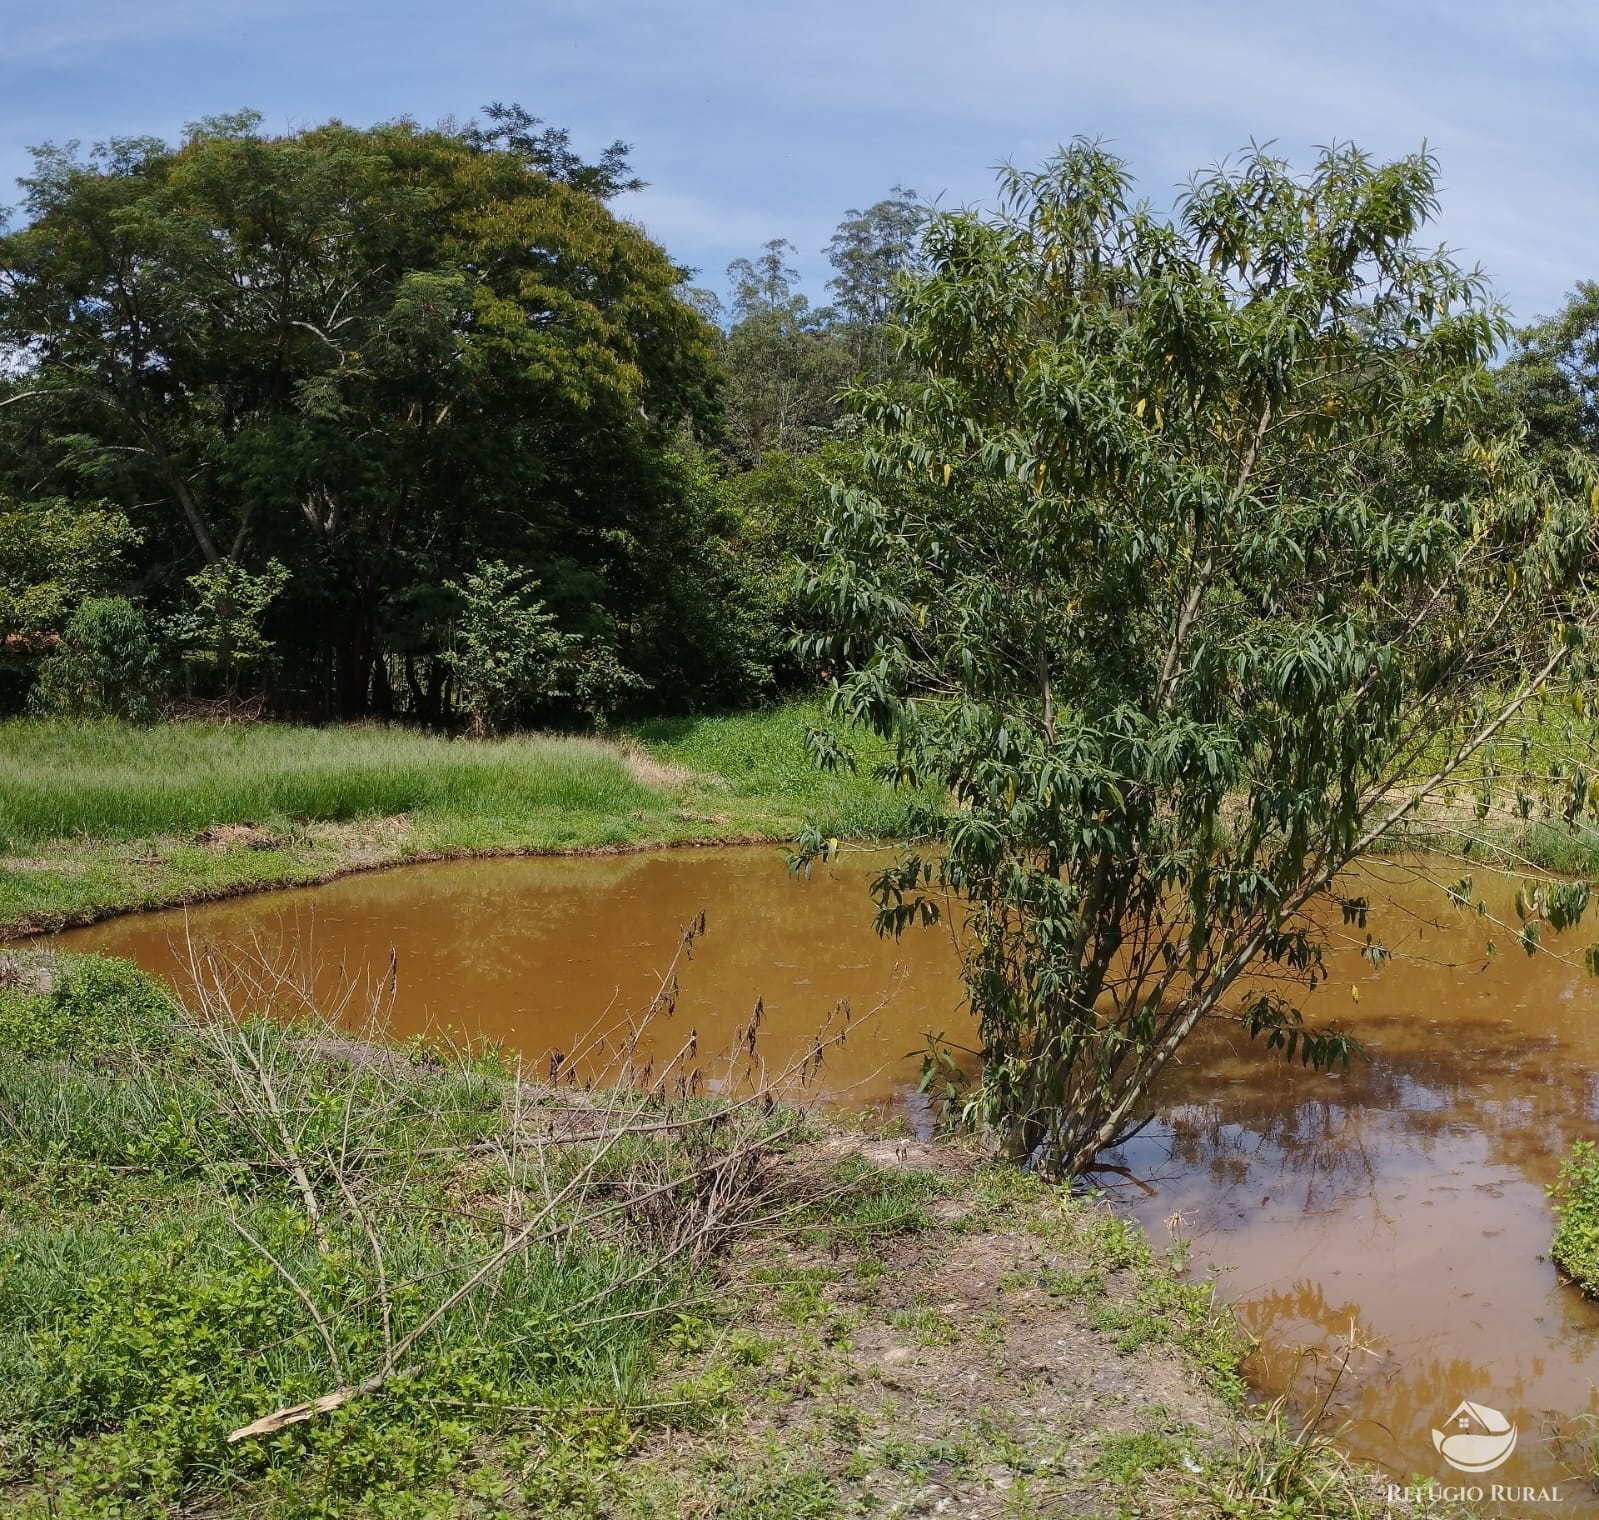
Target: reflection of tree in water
column 1242, row 1117
column 1328, row 1362
column 1299, row 1315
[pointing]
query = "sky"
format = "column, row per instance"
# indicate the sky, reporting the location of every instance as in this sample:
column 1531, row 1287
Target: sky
column 753, row 120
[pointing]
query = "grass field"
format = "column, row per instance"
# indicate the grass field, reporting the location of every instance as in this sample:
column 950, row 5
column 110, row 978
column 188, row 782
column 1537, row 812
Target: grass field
column 101, row 818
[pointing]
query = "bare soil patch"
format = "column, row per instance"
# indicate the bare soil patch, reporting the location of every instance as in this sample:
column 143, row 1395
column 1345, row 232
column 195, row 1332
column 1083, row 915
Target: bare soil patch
column 249, row 836
column 968, row 1367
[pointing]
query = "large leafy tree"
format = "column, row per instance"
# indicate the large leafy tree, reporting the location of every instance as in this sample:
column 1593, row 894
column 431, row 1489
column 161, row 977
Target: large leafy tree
column 1180, row 567
column 377, row 356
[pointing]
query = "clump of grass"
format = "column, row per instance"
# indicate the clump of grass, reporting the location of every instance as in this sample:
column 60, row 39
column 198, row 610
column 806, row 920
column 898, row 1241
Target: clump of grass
column 1125, row 1458
column 1274, row 1472
column 82, row 1006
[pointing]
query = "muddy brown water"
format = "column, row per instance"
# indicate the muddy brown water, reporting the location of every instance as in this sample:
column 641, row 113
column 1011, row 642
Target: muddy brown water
column 1402, row 1202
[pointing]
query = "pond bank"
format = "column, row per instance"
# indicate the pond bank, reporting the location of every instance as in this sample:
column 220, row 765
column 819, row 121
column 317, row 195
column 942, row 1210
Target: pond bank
column 729, row 1312
column 100, row 819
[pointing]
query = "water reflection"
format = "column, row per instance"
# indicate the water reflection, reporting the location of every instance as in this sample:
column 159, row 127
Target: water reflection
column 1399, row 1207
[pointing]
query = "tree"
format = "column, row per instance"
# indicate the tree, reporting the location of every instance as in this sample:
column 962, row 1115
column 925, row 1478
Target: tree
column 1552, row 378
column 52, row 555
column 376, row 356
column 785, row 363
column 105, row 665
column 507, row 651
column 222, row 629
column 1183, row 572
column 871, row 251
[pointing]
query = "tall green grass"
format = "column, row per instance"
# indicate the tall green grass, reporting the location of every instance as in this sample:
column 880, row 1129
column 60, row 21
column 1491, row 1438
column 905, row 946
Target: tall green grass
column 61, row 779
column 763, row 755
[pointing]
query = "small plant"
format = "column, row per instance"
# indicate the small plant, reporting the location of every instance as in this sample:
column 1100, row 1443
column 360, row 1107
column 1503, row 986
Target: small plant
column 1123, row 1459
column 222, row 630
column 507, row 652
column 83, row 1006
column 1276, row 1474
column 601, row 683
column 930, row 1326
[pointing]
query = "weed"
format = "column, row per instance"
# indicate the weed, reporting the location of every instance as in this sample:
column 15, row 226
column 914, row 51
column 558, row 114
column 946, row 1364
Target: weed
column 1073, row 1285
column 867, row 1203
column 1123, row 1459
column 930, row 1326
column 1275, row 1473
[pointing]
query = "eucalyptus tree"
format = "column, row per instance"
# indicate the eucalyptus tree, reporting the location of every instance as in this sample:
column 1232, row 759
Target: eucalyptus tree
column 785, row 362
column 1180, row 567
column 870, row 252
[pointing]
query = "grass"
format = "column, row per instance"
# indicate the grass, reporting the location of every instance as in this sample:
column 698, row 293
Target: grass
column 112, row 781
column 103, row 818
column 1508, row 805
column 208, row 1221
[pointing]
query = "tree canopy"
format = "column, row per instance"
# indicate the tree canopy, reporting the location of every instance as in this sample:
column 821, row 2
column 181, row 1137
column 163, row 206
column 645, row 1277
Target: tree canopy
column 379, row 357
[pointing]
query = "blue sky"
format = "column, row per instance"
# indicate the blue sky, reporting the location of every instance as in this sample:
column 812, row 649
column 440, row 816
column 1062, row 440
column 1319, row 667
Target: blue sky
column 754, row 120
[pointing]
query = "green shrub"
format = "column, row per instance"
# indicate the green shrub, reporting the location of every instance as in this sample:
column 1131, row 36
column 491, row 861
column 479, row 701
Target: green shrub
column 1576, row 1193
column 81, row 1006
column 107, row 665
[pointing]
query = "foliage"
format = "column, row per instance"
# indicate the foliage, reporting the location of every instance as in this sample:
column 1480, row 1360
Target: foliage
column 784, row 362
column 53, row 554
column 81, row 1008
column 506, row 652
column 222, row 630
column 1552, row 377
column 1576, row 1199
column 375, row 357
column 871, row 251
column 601, row 683
column 218, row 1216
column 1173, row 569
column 549, row 150
column 106, row 665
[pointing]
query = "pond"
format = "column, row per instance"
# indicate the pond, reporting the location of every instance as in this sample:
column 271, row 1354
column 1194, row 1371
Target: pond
column 1400, row 1204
